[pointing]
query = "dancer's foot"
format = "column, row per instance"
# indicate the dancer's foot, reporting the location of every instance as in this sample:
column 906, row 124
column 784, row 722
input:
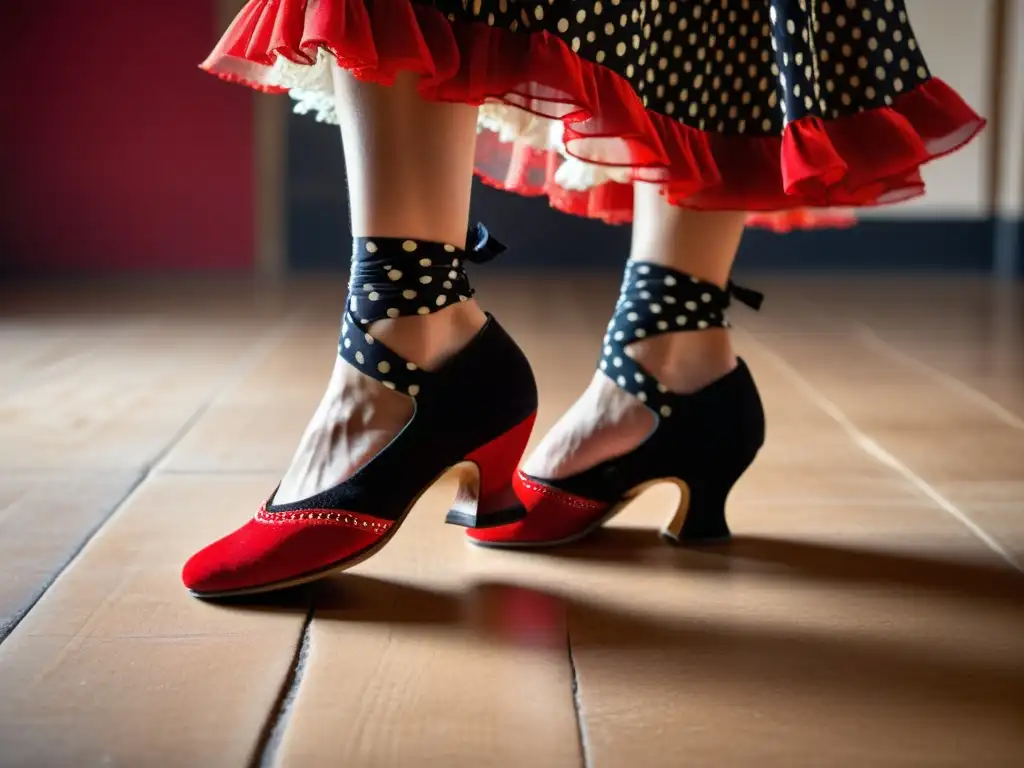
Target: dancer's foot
column 358, row 415
column 670, row 403
column 607, row 421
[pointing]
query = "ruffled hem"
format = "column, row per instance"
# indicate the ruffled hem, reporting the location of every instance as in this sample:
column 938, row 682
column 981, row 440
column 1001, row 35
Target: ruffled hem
column 798, row 219
column 542, row 168
column 863, row 159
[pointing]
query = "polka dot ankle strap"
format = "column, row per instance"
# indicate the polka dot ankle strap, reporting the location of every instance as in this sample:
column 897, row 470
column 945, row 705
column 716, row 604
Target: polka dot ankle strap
column 655, row 300
column 398, row 277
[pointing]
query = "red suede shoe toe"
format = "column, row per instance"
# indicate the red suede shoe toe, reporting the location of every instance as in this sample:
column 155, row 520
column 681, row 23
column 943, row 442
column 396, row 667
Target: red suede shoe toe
column 553, row 516
column 278, row 547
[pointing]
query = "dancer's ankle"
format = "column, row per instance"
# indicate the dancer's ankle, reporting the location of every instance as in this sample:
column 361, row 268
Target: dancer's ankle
column 430, row 340
column 686, row 362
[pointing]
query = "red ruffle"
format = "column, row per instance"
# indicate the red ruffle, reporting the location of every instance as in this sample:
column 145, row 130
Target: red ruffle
column 801, row 219
column 612, row 202
column 864, row 159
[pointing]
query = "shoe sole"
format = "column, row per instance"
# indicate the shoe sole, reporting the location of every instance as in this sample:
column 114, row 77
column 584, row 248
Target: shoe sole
column 675, row 524
column 464, row 470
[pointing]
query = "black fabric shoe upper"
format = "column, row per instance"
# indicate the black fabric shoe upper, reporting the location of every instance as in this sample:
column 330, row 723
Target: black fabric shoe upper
column 707, row 438
column 485, row 390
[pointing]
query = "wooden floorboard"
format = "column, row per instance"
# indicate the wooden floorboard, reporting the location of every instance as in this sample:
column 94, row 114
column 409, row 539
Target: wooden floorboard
column 850, row 627
column 856, row 619
column 116, row 664
column 413, row 661
column 44, row 518
column 97, row 382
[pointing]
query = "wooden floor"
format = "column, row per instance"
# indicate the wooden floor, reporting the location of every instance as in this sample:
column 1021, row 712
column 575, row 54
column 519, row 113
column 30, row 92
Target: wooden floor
column 869, row 613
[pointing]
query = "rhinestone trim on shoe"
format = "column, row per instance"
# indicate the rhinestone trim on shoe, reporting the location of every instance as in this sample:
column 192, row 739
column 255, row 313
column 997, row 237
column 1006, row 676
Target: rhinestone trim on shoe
column 561, row 497
column 325, row 517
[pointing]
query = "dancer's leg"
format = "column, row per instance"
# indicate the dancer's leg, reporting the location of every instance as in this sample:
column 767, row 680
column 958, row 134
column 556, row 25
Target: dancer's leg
column 410, row 170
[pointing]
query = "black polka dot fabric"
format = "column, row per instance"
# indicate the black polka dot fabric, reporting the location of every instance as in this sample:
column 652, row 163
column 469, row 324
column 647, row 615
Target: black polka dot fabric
column 399, row 277
column 655, row 300
column 731, row 66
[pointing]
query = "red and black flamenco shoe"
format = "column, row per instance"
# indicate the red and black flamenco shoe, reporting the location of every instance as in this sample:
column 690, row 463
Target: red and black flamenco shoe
column 703, row 442
column 475, row 413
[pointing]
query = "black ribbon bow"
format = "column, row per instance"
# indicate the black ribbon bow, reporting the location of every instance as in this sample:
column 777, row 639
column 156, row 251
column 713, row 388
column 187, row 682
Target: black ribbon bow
column 481, row 245
column 751, row 298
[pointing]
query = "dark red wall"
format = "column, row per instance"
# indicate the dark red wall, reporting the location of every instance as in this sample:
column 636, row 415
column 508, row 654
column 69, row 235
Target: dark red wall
column 118, row 153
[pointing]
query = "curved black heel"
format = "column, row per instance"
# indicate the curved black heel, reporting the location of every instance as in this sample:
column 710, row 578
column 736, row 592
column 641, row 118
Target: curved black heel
column 733, row 433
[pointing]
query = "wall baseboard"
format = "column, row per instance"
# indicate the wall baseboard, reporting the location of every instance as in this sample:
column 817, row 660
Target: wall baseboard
column 1008, row 247
column 877, row 245
column 889, row 245
column 541, row 238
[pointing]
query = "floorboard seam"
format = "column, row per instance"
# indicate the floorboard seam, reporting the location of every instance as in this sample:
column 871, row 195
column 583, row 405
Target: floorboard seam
column 8, row 626
column 247, row 361
column 147, row 470
column 874, row 449
column 577, row 705
column 280, row 715
column 948, row 381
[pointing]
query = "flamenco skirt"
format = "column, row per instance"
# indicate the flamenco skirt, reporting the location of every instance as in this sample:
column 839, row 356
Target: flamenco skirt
column 768, row 106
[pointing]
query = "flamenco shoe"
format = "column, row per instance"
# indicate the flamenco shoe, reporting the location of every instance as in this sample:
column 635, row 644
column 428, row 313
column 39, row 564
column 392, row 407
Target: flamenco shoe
column 702, row 442
column 474, row 413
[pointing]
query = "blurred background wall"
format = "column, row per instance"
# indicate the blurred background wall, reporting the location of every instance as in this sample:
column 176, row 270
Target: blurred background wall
column 958, row 39
column 120, row 154
column 1009, row 155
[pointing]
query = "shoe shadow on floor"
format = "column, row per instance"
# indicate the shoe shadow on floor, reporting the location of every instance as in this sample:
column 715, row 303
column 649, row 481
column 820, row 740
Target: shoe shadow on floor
column 967, row 577
column 908, row 656
column 674, row 651
column 982, row 577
